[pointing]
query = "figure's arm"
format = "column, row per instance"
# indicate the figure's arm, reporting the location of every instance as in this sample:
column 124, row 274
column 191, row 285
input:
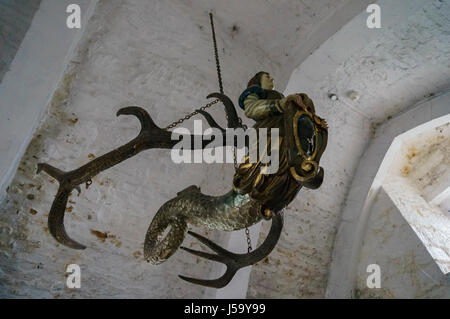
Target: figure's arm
column 258, row 109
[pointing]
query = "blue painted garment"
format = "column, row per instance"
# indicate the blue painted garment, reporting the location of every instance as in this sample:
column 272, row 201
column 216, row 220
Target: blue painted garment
column 250, row 90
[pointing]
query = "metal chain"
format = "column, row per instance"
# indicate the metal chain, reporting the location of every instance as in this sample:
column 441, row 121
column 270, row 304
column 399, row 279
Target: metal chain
column 187, row 117
column 247, row 232
column 249, row 241
column 216, row 53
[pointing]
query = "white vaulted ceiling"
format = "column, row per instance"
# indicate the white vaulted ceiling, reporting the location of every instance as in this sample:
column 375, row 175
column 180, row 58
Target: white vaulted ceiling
column 286, row 31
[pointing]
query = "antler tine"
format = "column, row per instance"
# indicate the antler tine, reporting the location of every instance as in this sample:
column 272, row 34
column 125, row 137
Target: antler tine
column 210, row 120
column 233, row 261
column 202, row 254
column 56, row 220
column 230, row 110
column 142, row 115
column 212, row 283
column 211, row 244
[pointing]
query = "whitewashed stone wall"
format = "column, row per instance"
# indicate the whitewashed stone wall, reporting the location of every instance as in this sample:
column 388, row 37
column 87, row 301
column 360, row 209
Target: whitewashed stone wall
column 15, row 19
column 373, row 230
column 407, row 235
column 33, row 74
column 406, row 268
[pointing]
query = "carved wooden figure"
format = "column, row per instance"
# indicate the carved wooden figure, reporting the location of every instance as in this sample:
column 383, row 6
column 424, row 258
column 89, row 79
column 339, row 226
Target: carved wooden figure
column 254, row 196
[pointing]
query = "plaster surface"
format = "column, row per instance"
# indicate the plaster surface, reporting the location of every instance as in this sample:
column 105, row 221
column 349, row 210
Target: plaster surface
column 383, row 153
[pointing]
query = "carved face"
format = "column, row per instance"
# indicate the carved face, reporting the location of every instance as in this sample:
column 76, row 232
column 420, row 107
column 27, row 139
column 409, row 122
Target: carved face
column 266, row 82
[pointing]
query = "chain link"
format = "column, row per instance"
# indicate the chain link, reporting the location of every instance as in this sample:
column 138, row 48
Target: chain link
column 249, row 241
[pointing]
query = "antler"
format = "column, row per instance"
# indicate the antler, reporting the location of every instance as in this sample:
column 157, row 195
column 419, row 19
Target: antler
column 233, row 261
column 150, row 136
